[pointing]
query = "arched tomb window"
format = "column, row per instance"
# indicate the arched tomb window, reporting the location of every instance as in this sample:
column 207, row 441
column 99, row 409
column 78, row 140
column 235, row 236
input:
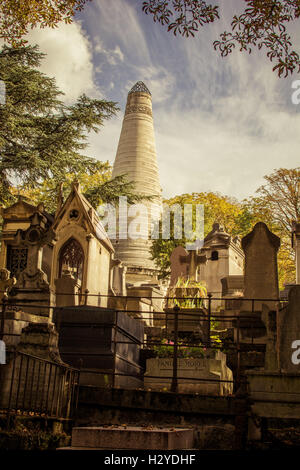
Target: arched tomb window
column 71, row 259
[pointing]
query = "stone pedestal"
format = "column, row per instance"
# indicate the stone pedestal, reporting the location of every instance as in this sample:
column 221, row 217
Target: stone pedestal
column 40, row 340
column 15, row 321
column 191, row 321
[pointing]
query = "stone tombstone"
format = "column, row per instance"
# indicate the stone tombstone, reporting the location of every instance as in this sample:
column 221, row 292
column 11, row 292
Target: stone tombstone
column 261, row 274
column 289, row 333
column 40, row 340
column 67, row 290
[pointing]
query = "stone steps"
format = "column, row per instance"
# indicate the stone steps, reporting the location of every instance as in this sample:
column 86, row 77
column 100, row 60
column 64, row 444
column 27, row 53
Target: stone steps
column 131, row 438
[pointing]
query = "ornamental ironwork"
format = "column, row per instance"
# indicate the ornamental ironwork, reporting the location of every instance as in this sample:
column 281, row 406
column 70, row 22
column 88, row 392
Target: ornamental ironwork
column 16, row 260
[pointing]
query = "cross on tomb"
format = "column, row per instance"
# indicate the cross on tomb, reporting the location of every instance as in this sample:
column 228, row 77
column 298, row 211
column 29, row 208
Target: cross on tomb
column 194, row 260
column 185, row 264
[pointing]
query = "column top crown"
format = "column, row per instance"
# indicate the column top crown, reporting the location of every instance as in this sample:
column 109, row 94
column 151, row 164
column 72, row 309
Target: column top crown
column 139, row 87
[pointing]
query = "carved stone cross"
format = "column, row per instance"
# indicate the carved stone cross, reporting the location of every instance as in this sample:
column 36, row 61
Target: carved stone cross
column 185, row 264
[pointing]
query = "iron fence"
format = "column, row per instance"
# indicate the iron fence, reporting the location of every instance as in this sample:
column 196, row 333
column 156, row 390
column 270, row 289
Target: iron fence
column 45, row 383
column 38, row 387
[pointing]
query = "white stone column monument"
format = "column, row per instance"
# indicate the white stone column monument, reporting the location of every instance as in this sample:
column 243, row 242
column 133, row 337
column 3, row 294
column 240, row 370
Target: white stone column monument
column 136, row 158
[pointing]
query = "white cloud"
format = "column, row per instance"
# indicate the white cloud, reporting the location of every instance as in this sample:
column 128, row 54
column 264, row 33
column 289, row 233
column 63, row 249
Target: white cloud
column 113, row 56
column 158, row 80
column 118, row 22
column 68, row 60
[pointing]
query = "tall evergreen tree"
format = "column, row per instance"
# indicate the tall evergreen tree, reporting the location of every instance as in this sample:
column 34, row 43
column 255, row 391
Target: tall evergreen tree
column 41, row 137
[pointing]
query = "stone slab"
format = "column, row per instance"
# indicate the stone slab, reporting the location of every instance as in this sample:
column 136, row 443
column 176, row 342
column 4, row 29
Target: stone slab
column 133, row 437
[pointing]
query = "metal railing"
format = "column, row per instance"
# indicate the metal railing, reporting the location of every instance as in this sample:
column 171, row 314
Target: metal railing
column 173, row 319
column 38, row 387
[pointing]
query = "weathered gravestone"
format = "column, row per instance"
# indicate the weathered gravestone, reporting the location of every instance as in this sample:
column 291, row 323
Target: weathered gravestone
column 261, row 274
column 67, row 290
column 260, row 280
column 13, row 319
column 5, row 284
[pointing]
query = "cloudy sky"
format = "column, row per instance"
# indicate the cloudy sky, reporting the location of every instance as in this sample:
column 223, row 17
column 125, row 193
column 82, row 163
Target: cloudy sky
column 221, row 124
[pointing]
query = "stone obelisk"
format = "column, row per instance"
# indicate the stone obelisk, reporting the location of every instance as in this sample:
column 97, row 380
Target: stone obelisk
column 136, row 158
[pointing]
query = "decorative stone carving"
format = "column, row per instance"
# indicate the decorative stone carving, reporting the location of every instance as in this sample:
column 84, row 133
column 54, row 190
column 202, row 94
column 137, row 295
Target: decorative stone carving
column 6, row 283
column 138, row 109
column 32, row 287
column 34, row 238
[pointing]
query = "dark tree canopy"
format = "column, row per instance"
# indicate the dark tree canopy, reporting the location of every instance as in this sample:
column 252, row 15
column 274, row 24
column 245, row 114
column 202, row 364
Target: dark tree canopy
column 41, row 137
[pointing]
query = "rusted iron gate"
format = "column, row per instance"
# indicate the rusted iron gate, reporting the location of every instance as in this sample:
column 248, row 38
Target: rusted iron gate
column 34, row 386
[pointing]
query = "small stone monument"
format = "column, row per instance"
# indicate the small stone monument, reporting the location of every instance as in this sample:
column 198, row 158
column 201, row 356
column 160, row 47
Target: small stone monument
column 67, row 290
column 261, row 275
column 32, row 287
